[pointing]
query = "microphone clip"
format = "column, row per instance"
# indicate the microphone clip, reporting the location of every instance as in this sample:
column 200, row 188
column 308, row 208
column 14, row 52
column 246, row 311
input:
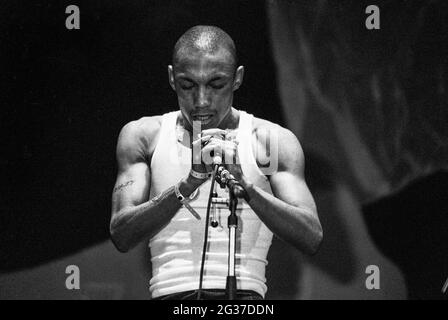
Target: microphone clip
column 222, row 175
column 226, row 179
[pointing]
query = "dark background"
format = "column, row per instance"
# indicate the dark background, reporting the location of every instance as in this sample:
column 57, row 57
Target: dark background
column 69, row 92
column 65, row 95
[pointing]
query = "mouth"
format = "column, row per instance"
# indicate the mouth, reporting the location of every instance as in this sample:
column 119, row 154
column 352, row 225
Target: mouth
column 202, row 117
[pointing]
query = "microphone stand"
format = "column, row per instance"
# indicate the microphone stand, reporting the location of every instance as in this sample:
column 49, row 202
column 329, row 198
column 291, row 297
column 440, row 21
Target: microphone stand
column 232, row 223
column 222, row 178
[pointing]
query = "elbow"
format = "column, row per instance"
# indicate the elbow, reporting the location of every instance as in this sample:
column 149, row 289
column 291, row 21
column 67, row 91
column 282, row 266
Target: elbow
column 316, row 242
column 117, row 238
column 309, row 245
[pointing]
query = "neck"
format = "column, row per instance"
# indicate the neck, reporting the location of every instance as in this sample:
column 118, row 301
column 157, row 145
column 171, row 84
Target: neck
column 231, row 120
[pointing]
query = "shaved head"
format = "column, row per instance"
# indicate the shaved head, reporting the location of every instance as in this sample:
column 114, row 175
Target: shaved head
column 204, row 74
column 204, row 40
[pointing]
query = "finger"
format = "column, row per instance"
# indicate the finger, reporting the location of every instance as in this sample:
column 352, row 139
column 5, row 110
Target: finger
column 229, row 154
column 231, row 134
column 202, row 136
column 226, row 146
column 232, row 139
column 212, row 147
column 212, row 139
column 214, row 131
column 201, row 141
column 229, row 145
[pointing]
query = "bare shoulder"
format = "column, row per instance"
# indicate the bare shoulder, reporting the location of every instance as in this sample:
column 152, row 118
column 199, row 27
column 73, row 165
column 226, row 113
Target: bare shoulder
column 265, row 128
column 143, row 128
column 138, row 138
column 261, row 126
column 275, row 137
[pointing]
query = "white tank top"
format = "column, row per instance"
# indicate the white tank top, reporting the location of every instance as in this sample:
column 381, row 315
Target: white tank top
column 176, row 251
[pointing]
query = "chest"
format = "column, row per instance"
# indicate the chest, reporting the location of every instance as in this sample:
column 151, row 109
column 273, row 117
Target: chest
column 260, row 149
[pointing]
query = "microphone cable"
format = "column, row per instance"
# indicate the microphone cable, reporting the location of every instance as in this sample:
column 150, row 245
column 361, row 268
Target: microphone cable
column 207, row 218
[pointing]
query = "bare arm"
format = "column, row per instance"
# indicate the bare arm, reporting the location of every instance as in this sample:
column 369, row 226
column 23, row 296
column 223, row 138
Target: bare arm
column 134, row 217
column 291, row 212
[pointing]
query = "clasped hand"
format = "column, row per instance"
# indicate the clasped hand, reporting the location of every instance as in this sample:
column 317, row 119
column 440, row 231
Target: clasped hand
column 212, row 142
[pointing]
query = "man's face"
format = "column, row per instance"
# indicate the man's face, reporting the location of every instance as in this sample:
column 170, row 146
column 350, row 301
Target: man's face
column 204, row 84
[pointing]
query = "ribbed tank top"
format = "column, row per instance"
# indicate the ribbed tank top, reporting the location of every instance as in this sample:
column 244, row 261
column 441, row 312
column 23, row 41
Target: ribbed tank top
column 176, row 251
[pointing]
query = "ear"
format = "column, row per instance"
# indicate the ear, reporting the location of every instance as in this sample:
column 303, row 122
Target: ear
column 239, row 75
column 171, row 77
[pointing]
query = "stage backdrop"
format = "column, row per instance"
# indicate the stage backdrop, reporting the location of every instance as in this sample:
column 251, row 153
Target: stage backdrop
column 368, row 107
column 371, row 110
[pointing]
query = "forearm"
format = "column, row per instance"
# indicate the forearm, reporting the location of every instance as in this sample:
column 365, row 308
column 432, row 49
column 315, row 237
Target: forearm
column 131, row 225
column 296, row 225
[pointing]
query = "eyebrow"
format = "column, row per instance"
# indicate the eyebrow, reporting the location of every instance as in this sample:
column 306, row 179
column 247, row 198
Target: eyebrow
column 185, row 78
column 219, row 76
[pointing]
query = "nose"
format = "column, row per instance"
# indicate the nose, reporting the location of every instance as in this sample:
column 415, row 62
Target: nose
column 202, row 99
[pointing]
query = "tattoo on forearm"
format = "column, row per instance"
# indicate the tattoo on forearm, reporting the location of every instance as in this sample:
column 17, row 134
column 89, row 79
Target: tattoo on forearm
column 123, row 185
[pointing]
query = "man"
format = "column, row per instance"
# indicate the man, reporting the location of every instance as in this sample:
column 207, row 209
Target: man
column 163, row 183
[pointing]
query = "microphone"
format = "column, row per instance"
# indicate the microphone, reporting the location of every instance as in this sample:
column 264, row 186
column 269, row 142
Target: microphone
column 217, row 154
column 217, row 158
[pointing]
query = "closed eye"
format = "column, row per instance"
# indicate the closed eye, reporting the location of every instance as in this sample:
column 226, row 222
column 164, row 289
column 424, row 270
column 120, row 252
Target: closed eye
column 217, row 86
column 186, row 85
column 217, row 83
